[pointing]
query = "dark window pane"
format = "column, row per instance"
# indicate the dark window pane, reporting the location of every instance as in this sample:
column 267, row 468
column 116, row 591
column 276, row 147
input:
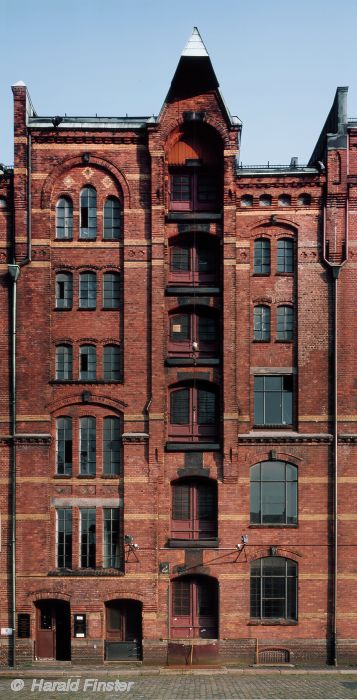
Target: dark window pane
column 112, row 219
column 180, row 259
column 64, row 218
column 88, row 210
column 181, row 598
column 206, row 260
column 64, row 290
column 262, row 256
column 87, row 290
column 180, row 407
column 206, row 408
column 180, row 188
column 181, row 502
column 180, row 327
column 87, row 434
column 285, row 261
column 206, row 502
column 111, row 362
column 207, row 188
column 207, row 329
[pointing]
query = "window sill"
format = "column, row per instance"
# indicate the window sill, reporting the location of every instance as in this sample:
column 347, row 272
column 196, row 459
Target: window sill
column 110, row 308
column 174, row 543
column 261, row 341
column 189, row 361
column 271, row 525
column 85, row 381
column 196, row 215
column 62, row 476
column 87, row 308
column 175, row 290
column 87, row 240
column 192, row 446
column 86, row 476
column 63, row 308
column 261, row 274
column 86, row 572
column 273, row 622
column 272, row 426
column 284, row 274
column 286, row 342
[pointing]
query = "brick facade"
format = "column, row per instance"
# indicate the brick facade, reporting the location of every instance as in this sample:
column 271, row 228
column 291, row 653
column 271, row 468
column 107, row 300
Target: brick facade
column 314, row 208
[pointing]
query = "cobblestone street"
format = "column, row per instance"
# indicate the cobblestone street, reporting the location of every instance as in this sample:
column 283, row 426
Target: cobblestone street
column 203, row 685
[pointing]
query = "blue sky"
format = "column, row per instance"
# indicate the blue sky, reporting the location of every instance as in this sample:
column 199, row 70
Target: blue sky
column 278, row 62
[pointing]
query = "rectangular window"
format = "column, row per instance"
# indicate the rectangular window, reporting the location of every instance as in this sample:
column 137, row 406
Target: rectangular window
column 181, row 188
column 111, row 363
column 111, row 538
column 64, row 538
column 87, row 538
column 285, row 258
column 273, row 400
column 23, row 626
column 87, row 446
column 87, row 290
column 63, row 362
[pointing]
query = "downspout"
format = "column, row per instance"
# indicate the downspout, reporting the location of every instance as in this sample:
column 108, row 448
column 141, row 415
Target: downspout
column 14, row 272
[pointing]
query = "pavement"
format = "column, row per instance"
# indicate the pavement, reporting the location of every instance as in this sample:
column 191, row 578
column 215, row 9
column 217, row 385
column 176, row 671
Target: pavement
column 177, row 684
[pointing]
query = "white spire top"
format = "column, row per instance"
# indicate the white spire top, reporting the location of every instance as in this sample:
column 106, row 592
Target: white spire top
column 195, row 45
column 20, row 83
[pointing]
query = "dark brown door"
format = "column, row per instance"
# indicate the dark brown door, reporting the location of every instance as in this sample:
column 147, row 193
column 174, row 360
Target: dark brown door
column 53, row 633
column 194, row 608
column 194, row 510
column 46, row 631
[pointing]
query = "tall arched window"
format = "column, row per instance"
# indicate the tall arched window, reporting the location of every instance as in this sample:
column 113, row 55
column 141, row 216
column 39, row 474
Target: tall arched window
column 88, row 216
column 262, row 323
column 273, row 588
column 64, row 362
column 64, row 290
column 193, row 413
column 111, row 363
column 111, row 445
column 64, row 445
column 262, row 256
column 285, row 259
column 87, row 362
column 64, row 218
column 273, row 493
column 112, row 219
column 284, row 323
column 87, row 445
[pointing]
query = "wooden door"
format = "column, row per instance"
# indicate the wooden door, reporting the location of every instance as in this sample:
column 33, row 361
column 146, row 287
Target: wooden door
column 123, row 630
column 194, row 608
column 46, row 631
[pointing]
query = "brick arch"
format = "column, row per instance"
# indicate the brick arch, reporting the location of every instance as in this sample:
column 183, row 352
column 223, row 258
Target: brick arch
column 137, row 597
column 282, row 552
column 278, row 222
column 256, row 457
column 116, row 405
column 76, row 161
column 169, row 133
column 49, row 595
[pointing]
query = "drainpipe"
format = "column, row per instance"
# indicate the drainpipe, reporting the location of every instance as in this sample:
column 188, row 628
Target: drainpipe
column 335, row 274
column 14, row 271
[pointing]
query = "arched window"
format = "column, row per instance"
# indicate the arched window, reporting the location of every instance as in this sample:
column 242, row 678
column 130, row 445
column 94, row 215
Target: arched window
column 111, row 290
column 88, row 217
column 64, row 218
column 194, row 610
column 284, row 323
column 111, row 446
column 64, row 362
column 111, row 363
column 284, row 200
column 304, row 200
column 194, row 509
column 262, row 256
column 87, row 362
column 112, row 219
column 87, row 445
column 285, row 258
column 273, row 493
column 246, row 200
column 194, row 262
column 87, row 290
column 64, row 445
column 265, row 200
column 262, row 323
column 193, row 413
column 273, row 588
column 64, row 290
column 193, row 326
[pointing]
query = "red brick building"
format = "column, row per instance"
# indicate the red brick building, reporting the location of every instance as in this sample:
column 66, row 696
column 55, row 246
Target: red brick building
column 178, row 388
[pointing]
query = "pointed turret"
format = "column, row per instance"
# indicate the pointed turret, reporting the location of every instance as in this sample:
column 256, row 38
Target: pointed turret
column 194, row 74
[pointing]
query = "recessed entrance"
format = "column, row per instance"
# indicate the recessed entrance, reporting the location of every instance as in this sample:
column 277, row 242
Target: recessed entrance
column 53, row 630
column 123, row 630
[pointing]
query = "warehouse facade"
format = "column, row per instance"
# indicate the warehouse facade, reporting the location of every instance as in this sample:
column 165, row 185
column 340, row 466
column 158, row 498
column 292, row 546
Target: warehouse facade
column 178, row 388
